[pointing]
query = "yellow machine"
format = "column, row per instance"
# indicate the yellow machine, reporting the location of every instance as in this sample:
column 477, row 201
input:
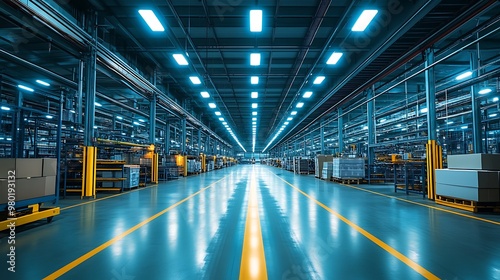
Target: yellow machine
column 203, row 158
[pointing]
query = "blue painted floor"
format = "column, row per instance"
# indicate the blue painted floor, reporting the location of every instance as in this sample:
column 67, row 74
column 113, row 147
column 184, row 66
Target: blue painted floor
column 311, row 229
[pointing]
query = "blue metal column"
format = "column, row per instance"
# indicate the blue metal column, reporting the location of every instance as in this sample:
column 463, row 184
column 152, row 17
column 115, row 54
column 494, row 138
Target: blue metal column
column 322, row 137
column 183, row 138
column 209, row 144
column 79, row 105
column 59, row 143
column 167, row 137
column 90, row 91
column 18, row 127
column 430, row 91
column 199, row 141
column 371, row 125
column 341, row 130
column 152, row 119
column 476, row 109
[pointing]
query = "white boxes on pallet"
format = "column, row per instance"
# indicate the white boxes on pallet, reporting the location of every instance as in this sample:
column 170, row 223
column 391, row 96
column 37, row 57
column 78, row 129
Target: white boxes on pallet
column 348, row 168
column 327, row 171
column 474, row 185
column 319, row 161
column 474, row 161
column 470, row 178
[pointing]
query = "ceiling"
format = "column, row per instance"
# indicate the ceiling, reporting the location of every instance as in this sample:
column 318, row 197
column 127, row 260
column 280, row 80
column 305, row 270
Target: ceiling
column 297, row 39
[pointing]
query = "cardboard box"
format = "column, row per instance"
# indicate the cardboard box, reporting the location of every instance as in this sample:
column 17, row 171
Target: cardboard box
column 6, row 165
column 29, row 167
column 49, row 167
column 466, row 193
column 30, row 188
column 475, row 161
column 469, row 178
column 50, row 185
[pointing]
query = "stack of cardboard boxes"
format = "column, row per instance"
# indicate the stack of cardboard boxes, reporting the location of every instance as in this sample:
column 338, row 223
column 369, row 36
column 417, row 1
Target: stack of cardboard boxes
column 35, row 178
column 348, row 168
column 474, row 177
column 318, row 164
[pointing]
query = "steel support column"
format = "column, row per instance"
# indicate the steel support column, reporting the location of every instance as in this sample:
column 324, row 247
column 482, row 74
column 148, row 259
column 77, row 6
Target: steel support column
column 371, row 125
column 79, row 100
column 167, row 138
column 433, row 150
column 152, row 119
column 340, row 130
column 322, row 137
column 59, row 143
column 184, row 135
column 18, row 127
column 476, row 109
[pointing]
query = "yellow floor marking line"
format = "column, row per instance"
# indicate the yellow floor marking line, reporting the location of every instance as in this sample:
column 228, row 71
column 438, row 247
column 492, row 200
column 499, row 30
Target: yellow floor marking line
column 415, row 266
column 425, row 205
column 107, row 197
column 253, row 260
column 117, row 238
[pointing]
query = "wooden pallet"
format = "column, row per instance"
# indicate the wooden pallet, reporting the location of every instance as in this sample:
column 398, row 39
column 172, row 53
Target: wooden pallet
column 468, row 205
column 346, row 180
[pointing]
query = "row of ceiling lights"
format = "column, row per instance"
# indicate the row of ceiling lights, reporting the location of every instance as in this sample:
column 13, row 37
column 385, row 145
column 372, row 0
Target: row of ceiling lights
column 154, row 23
column 359, row 26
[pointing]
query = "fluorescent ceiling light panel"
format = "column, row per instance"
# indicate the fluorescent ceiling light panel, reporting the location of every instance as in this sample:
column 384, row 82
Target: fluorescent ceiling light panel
column 495, row 99
column 319, row 80
column 289, row 119
column 255, row 105
column 4, row 108
column 294, row 113
column 464, row 127
column 152, row 21
column 141, row 120
column 286, row 123
column 195, row 80
column 254, row 80
column 334, row 58
column 136, row 123
column 364, row 20
column 221, row 119
column 98, row 104
column 254, row 123
column 485, row 91
column 26, row 88
column 212, row 105
column 72, row 111
column 180, row 59
column 205, row 94
column 493, row 115
column 43, row 83
column 224, row 123
column 463, row 75
column 307, row 94
column 255, row 94
column 49, row 117
column 424, row 110
column 254, row 119
column 255, row 59
column 255, row 20
column 218, row 113
column 254, row 113
column 300, row 105
column 120, row 118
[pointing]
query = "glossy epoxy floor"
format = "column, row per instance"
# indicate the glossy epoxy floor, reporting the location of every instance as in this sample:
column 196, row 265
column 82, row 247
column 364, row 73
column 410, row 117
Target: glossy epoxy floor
column 195, row 228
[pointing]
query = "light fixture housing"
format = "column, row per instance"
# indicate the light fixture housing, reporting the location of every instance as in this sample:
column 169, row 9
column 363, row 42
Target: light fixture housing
column 255, row 94
column 334, row 58
column 97, row 104
column 255, row 105
column 119, row 117
column 254, row 80
column 464, row 75
column 195, row 80
column 205, row 94
column 364, row 20
column 319, row 80
column 26, row 88
column 180, row 59
column 5, row 108
column 152, row 20
column 255, row 20
column 495, row 99
column 255, row 59
column 293, row 113
column 218, row 113
column 212, row 105
column 254, row 113
column 307, row 94
column 485, row 91
column 300, row 105
column 43, row 83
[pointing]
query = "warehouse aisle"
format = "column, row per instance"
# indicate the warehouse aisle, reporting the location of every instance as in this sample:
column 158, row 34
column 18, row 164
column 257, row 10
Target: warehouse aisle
column 201, row 227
